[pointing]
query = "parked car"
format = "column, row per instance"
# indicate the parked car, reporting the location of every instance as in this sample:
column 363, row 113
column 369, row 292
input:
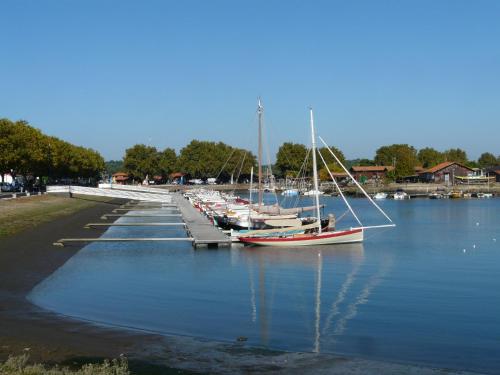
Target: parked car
column 6, row 187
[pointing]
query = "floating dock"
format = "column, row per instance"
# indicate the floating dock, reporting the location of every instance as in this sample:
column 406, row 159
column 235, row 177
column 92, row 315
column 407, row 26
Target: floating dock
column 96, row 225
column 199, row 228
column 62, row 241
column 105, row 216
column 200, row 231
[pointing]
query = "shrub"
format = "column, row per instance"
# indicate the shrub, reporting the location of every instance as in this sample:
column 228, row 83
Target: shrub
column 17, row 365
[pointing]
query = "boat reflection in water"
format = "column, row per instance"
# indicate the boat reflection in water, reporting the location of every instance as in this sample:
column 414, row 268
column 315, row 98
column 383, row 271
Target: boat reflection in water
column 325, row 304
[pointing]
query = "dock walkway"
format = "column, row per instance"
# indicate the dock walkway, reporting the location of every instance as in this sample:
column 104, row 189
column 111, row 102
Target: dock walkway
column 198, row 227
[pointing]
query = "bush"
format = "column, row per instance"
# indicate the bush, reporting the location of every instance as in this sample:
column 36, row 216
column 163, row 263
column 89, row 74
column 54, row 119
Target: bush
column 17, row 365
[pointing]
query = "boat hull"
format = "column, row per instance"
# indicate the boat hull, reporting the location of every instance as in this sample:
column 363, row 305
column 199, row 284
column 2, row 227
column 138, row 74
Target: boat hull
column 325, row 238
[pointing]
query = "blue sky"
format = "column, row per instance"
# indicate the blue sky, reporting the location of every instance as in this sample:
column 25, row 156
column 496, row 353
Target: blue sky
column 109, row 74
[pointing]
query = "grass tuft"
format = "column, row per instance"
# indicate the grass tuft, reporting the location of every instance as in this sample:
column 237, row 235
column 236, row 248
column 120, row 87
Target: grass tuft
column 18, row 365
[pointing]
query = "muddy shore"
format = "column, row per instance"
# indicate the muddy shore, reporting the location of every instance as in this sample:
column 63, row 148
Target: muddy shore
column 29, row 257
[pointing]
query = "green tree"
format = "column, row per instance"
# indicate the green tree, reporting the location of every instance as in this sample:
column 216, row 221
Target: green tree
column 429, row 157
column 6, row 147
column 27, row 151
column 290, row 158
column 359, row 162
column 167, row 162
column 114, row 166
column 402, row 155
column 487, row 159
column 141, row 160
column 203, row 159
column 330, row 161
column 456, row 155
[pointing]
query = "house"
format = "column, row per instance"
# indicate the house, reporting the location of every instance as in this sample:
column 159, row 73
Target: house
column 120, row 178
column 365, row 173
column 415, row 177
column 445, row 172
column 178, row 178
column 494, row 172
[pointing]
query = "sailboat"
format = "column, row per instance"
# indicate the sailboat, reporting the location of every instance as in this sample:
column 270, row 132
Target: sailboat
column 274, row 209
column 318, row 235
column 259, row 216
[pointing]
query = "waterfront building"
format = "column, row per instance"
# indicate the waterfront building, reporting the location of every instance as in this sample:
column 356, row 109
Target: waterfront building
column 445, row 172
column 120, row 178
column 373, row 172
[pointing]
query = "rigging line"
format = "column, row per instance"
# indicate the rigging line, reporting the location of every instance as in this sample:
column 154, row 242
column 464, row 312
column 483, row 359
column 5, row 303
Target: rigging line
column 269, row 165
column 340, row 191
column 356, row 182
column 225, row 164
column 239, row 172
column 341, row 216
column 241, row 165
column 376, row 233
column 302, row 172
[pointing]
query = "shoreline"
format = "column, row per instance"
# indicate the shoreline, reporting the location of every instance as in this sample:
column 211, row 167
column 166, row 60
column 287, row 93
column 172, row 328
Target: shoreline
column 29, row 257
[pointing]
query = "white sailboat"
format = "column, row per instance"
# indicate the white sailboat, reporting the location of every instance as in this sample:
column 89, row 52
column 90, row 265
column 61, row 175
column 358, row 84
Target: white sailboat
column 319, row 236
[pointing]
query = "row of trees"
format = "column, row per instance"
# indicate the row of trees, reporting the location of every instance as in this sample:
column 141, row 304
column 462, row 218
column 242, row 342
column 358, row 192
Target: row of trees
column 202, row 159
column 199, row 159
column 26, row 151
column 405, row 158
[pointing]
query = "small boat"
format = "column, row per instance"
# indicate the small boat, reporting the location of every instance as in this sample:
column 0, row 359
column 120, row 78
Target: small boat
column 435, row 195
column 400, row 195
column 313, row 192
column 380, row 195
column 456, row 194
column 290, row 192
column 484, row 195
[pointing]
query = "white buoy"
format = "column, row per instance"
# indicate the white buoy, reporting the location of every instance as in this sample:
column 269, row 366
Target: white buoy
column 477, row 224
column 494, row 240
column 464, row 250
column 474, row 246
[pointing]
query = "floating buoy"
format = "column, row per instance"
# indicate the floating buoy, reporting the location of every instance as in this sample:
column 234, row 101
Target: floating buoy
column 474, row 246
column 464, row 250
column 477, row 224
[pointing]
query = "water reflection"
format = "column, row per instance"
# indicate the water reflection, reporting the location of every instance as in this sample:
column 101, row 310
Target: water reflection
column 258, row 258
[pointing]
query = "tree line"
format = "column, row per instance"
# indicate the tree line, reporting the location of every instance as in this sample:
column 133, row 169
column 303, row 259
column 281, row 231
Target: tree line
column 198, row 159
column 203, row 159
column 26, row 151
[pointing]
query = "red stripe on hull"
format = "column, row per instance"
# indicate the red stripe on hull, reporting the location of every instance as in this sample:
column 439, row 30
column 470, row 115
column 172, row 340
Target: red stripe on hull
column 300, row 238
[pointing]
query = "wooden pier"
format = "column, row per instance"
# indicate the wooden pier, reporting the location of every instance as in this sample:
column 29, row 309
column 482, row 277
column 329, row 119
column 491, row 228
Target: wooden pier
column 105, row 216
column 97, row 225
column 199, row 228
column 62, row 241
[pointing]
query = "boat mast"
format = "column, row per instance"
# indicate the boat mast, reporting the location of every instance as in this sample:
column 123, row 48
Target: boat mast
column 315, row 170
column 250, row 205
column 260, row 111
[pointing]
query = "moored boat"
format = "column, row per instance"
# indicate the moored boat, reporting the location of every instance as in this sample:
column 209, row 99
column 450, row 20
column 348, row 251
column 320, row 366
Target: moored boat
column 317, row 235
column 380, row 195
column 400, row 195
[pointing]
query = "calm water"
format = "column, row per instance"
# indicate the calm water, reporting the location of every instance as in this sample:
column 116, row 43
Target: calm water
column 425, row 292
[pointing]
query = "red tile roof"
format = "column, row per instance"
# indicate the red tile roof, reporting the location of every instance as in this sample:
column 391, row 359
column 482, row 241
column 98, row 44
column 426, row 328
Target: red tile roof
column 177, row 175
column 372, row 168
column 442, row 166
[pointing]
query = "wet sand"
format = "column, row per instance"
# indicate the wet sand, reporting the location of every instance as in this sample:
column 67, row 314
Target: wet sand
column 29, row 257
